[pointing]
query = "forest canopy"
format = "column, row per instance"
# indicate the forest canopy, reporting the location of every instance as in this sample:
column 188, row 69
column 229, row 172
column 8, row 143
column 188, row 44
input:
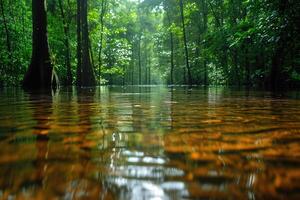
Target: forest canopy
column 141, row 42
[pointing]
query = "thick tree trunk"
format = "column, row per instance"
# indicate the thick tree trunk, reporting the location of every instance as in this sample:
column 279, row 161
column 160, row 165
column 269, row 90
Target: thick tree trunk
column 277, row 76
column 85, row 72
column 88, row 76
column 67, row 44
column 185, row 44
column 39, row 74
column 277, row 62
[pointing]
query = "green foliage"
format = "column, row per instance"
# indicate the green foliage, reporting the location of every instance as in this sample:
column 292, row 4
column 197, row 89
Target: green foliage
column 230, row 42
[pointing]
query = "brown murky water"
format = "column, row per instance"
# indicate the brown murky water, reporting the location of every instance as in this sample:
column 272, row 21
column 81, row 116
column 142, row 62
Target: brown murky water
column 149, row 143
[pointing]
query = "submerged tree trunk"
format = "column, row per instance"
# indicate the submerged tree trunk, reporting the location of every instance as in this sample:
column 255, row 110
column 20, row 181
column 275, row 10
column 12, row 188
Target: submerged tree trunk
column 85, row 71
column 277, row 74
column 88, row 76
column 277, row 62
column 67, row 44
column 39, row 74
column 189, row 75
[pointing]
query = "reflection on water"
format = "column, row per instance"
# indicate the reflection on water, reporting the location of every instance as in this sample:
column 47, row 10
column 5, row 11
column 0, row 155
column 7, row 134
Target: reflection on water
column 149, row 143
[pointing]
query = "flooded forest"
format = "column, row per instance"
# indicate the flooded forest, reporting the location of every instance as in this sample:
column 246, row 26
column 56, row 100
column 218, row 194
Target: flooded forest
column 149, row 99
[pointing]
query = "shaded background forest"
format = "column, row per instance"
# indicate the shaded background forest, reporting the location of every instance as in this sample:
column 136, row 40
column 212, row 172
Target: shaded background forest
column 216, row 42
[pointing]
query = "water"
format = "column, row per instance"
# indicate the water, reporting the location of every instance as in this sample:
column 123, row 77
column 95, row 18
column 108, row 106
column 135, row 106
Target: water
column 149, row 143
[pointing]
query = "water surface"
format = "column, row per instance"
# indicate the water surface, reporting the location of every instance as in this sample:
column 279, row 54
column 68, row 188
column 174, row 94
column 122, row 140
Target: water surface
column 137, row 143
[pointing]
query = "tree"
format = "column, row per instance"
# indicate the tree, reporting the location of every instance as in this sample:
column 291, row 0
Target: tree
column 85, row 71
column 217, row 42
column 185, row 43
column 40, row 71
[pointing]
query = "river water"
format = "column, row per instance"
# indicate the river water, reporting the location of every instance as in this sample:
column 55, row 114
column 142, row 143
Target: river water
column 136, row 143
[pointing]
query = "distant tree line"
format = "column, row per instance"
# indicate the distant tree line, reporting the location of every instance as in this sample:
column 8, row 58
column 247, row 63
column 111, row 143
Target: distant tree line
column 193, row 42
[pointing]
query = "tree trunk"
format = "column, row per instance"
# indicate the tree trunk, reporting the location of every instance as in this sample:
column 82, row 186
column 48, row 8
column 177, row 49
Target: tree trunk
column 277, row 62
column 185, row 44
column 278, row 58
column 87, row 76
column 39, row 74
column 67, row 44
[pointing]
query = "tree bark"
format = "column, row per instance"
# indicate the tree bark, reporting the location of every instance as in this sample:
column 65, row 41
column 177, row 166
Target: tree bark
column 278, row 58
column 40, row 71
column 87, row 77
column 85, row 72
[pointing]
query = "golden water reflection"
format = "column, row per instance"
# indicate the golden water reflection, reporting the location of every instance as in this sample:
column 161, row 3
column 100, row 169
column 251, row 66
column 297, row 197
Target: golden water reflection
column 149, row 143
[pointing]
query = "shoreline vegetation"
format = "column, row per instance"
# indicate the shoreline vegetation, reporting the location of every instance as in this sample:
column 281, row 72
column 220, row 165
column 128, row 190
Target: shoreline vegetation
column 242, row 43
